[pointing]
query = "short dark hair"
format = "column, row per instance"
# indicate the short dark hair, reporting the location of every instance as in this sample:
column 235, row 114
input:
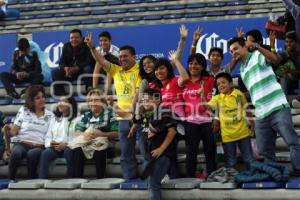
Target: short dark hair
column 23, row 44
column 240, row 41
column 76, row 31
column 73, row 109
column 217, row 49
column 168, row 65
column 224, row 75
column 31, row 92
column 105, row 34
column 256, row 34
column 201, row 60
column 291, row 35
column 142, row 72
column 152, row 92
column 129, row 48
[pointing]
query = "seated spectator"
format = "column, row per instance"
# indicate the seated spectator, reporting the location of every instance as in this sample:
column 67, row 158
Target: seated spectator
column 75, row 60
column 95, row 128
column 29, row 128
column 26, row 68
column 60, row 132
column 111, row 53
column 7, row 12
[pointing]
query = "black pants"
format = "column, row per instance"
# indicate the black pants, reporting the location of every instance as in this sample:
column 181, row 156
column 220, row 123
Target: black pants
column 58, row 74
column 8, row 79
column 193, row 134
column 79, row 159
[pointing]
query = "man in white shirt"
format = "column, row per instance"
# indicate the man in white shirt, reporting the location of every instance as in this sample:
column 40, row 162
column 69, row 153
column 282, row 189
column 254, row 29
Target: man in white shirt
column 111, row 53
column 5, row 12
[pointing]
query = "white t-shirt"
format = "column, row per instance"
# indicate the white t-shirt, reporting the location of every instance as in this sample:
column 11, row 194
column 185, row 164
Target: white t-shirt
column 114, row 50
column 32, row 128
column 3, row 8
column 60, row 130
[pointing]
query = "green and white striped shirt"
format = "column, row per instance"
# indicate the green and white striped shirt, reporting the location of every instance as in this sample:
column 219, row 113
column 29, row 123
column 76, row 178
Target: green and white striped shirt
column 266, row 93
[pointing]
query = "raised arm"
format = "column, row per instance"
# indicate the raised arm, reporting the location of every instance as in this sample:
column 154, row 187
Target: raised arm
column 181, row 44
column 103, row 63
column 196, row 36
column 183, row 75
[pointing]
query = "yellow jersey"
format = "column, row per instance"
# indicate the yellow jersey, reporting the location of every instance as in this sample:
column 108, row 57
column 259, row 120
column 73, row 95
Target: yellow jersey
column 233, row 123
column 126, row 84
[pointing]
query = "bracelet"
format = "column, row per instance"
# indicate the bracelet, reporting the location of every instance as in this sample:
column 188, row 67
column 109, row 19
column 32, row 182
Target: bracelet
column 273, row 49
column 193, row 46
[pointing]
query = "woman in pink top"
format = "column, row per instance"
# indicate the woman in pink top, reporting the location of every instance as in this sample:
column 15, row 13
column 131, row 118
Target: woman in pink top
column 198, row 124
column 171, row 86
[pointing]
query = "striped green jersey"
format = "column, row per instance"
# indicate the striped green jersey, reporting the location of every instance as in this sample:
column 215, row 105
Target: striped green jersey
column 266, row 93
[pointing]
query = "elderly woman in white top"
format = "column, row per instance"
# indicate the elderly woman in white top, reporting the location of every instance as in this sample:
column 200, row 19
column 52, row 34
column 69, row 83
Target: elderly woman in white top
column 60, row 132
column 29, row 127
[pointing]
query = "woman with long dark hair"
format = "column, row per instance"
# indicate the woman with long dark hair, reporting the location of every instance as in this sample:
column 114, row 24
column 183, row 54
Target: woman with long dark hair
column 61, row 131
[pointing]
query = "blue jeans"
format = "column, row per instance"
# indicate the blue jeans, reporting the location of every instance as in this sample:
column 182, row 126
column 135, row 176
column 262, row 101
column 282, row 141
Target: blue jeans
column 230, row 149
column 142, row 141
column 278, row 122
column 128, row 160
column 21, row 151
column 9, row 13
column 161, row 167
column 49, row 155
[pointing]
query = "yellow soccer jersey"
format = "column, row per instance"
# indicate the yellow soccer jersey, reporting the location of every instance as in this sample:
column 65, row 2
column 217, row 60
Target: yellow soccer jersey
column 126, row 83
column 232, row 115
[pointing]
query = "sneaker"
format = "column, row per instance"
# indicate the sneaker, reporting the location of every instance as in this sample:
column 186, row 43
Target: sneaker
column 166, row 179
column 295, row 103
column 13, row 95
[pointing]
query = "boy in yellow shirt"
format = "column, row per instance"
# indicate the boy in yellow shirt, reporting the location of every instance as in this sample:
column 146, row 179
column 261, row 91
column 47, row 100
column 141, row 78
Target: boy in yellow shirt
column 231, row 104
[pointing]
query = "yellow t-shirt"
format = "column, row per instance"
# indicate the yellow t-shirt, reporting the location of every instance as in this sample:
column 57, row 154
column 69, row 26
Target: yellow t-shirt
column 232, row 115
column 126, row 83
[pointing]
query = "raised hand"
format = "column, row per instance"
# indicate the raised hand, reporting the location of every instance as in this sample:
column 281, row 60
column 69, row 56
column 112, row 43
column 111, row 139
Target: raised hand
column 197, row 34
column 89, row 40
column 272, row 38
column 173, row 55
column 239, row 32
column 183, row 31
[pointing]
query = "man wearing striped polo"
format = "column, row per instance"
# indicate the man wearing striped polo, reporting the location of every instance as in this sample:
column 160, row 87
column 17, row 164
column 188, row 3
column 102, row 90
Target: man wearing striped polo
column 272, row 111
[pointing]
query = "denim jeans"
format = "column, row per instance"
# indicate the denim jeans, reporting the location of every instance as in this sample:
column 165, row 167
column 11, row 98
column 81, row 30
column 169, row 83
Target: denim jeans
column 128, row 160
column 142, row 141
column 161, row 167
column 49, row 155
column 193, row 135
column 230, row 149
column 278, row 122
column 21, row 151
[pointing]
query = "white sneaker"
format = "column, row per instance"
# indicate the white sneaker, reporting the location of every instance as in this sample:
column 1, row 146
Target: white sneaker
column 166, row 179
column 295, row 103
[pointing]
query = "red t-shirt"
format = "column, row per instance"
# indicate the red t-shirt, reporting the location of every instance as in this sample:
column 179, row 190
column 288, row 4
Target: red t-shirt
column 194, row 110
column 172, row 97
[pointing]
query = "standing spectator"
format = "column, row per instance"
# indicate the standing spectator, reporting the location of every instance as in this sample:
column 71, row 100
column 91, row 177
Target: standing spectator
column 231, row 104
column 271, row 107
column 61, row 130
column 76, row 60
column 127, row 81
column 161, row 128
column 30, row 128
column 95, row 127
column 111, row 53
column 26, row 68
column 7, row 12
column 198, row 124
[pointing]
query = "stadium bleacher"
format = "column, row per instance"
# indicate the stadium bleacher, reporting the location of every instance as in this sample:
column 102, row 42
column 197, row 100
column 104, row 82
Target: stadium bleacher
column 47, row 15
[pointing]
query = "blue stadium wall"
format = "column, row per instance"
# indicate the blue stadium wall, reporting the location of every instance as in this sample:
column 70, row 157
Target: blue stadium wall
column 147, row 39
